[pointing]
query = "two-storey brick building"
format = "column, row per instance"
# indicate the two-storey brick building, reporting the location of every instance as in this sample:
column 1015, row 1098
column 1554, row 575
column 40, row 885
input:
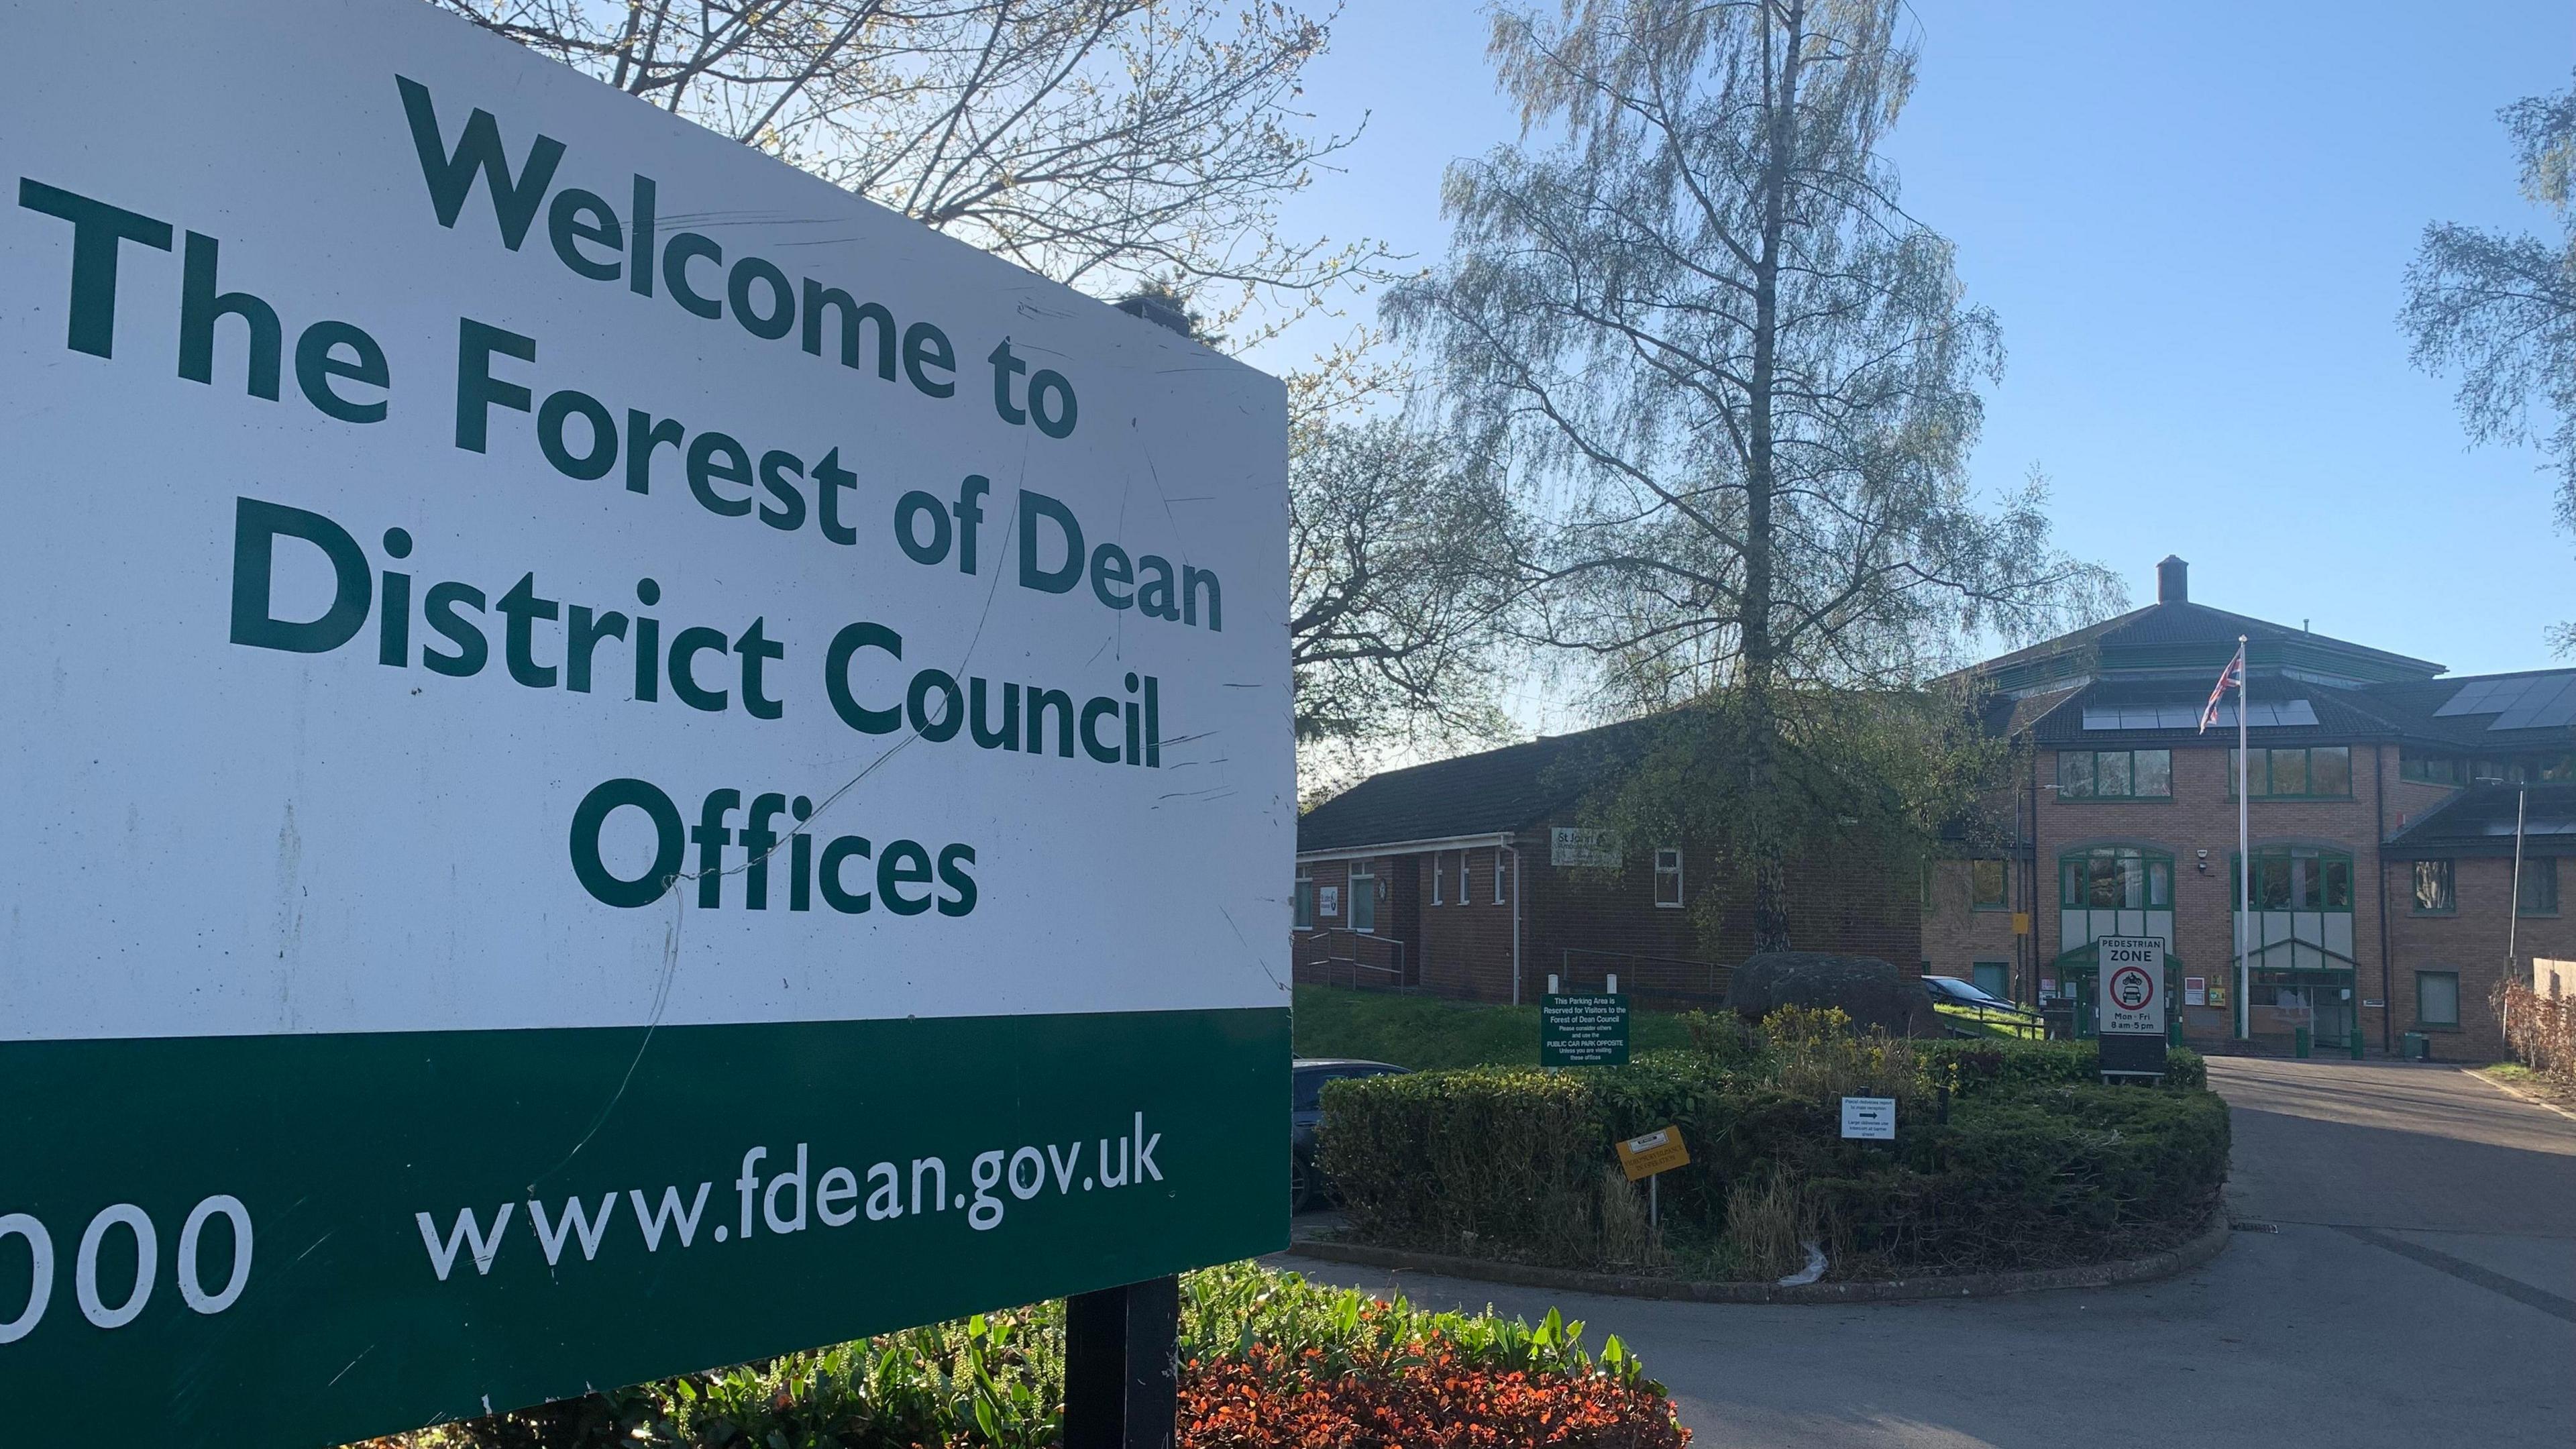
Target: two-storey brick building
column 2382, row 809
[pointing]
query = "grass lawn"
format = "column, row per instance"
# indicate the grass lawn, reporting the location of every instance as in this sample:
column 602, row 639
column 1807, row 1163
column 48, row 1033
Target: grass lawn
column 2536, row 1083
column 1423, row 1032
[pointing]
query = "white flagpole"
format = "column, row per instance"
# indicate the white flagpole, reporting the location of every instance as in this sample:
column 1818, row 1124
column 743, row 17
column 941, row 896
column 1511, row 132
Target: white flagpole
column 2244, row 858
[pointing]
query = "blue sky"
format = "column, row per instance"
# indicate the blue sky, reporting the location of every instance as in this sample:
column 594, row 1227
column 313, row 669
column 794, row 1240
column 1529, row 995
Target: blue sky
column 2191, row 219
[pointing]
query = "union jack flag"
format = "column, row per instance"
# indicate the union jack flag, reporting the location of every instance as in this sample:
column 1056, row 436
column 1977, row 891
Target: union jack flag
column 2232, row 677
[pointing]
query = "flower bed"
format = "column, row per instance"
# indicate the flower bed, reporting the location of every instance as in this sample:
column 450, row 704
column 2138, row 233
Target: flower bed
column 1268, row 1361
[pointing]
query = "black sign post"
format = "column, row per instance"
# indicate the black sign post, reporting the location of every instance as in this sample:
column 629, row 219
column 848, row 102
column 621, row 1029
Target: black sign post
column 1121, row 1370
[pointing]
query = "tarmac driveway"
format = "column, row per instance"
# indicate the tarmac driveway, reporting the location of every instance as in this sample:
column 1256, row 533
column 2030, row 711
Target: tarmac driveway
column 2419, row 1288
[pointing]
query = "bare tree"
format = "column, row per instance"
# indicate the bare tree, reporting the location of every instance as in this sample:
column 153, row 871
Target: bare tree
column 1395, row 591
column 2502, row 308
column 1740, row 387
column 1098, row 142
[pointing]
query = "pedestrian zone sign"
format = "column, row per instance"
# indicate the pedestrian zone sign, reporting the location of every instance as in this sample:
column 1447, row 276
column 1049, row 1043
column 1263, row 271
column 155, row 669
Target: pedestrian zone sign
column 2132, row 986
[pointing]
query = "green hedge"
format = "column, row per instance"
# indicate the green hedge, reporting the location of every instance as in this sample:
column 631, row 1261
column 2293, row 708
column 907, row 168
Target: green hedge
column 2061, row 1175
column 2038, row 1164
column 1985, row 1063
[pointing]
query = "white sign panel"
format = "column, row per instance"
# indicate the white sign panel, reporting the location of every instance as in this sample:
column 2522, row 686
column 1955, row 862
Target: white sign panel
column 1570, row 845
column 1871, row 1119
column 2131, row 986
column 569, row 677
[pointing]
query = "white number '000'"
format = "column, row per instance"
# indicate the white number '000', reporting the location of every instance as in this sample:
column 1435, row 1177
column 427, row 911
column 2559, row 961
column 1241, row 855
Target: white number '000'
column 192, row 1288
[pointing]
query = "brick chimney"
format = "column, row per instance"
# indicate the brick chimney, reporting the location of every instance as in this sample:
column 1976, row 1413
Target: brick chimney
column 2173, row 581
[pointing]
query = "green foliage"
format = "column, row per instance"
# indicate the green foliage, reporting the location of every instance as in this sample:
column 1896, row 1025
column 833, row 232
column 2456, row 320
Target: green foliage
column 2037, row 1164
column 1483, row 1155
column 1981, row 1065
column 996, row 1381
column 1424, row 1032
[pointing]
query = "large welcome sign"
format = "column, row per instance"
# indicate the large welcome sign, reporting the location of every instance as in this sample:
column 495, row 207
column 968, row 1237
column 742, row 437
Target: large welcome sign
column 614, row 760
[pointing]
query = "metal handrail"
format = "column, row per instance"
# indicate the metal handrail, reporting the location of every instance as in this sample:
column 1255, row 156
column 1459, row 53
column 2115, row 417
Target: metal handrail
column 1396, row 972
column 1717, row 974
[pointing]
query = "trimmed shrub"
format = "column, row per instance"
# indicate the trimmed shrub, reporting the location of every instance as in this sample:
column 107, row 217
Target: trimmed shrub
column 1984, row 1063
column 1506, row 1158
column 2038, row 1163
column 2063, row 1175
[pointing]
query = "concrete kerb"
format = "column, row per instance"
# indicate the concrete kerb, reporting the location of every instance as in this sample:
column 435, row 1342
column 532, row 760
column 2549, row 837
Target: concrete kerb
column 2165, row 1264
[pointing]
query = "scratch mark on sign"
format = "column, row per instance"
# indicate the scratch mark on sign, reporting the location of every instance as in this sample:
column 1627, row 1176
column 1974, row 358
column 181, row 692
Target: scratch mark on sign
column 353, row 1363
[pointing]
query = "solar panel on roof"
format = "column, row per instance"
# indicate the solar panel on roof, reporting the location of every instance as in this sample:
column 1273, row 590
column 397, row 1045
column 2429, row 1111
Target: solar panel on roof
column 2266, row 714
column 2141, row 716
column 2548, row 700
column 2473, row 698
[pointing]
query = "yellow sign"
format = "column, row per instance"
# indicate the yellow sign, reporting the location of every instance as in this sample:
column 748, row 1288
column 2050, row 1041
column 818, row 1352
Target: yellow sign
column 1658, row 1151
column 2021, row 923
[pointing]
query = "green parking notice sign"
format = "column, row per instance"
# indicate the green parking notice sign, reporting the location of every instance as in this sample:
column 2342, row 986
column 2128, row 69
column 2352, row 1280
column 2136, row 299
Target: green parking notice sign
column 579, row 695
column 1582, row 1030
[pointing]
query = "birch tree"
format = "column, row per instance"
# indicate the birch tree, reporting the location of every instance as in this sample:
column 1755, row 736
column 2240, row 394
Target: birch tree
column 2501, row 308
column 1098, row 142
column 1738, row 384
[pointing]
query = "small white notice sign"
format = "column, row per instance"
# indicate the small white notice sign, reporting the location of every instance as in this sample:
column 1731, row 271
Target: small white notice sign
column 1870, row 1118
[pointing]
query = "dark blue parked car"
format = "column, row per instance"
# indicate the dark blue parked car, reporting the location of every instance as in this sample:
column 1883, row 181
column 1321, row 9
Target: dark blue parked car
column 1305, row 1108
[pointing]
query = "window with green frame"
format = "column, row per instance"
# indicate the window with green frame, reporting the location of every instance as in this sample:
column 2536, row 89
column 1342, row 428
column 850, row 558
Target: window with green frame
column 2294, row 878
column 2538, row 895
column 2436, row 888
column 2115, row 774
column 2115, row 878
column 1986, row 885
column 2432, row 769
column 2295, row 772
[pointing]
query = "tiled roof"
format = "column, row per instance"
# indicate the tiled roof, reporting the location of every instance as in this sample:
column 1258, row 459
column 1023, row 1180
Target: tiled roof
column 2189, row 623
column 2480, row 821
column 2166, row 635
column 1482, row 794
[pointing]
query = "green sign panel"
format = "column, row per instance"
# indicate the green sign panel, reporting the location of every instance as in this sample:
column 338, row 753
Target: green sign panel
column 1582, row 1031
column 581, row 699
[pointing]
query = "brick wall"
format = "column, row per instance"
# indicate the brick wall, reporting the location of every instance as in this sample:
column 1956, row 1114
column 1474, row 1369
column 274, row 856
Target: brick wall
column 1466, row 946
column 1957, row 934
column 1317, row 955
column 1576, row 920
column 2471, row 942
column 2199, row 817
column 1581, row 928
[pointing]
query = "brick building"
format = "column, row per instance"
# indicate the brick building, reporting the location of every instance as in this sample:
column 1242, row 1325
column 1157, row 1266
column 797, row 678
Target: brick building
column 1470, row 878
column 2382, row 814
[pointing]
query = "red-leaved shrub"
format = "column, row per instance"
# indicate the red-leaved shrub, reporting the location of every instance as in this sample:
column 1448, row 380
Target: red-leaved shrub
column 1267, row 1399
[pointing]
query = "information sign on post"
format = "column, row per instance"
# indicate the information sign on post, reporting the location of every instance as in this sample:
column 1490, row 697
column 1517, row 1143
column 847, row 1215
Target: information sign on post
column 1869, row 1119
column 1582, row 1030
column 2131, row 1009
column 579, row 700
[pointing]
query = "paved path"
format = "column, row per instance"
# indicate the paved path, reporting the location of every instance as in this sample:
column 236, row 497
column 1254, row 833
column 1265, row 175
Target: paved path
column 2420, row 1290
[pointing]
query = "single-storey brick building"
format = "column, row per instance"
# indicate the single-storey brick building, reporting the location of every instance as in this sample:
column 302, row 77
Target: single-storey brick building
column 1472, row 878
